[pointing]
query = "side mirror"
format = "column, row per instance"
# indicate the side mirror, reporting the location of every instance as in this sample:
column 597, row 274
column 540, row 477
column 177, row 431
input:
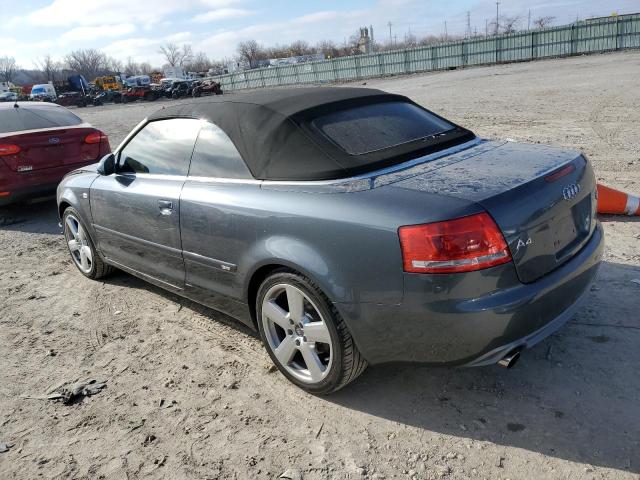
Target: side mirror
column 107, row 165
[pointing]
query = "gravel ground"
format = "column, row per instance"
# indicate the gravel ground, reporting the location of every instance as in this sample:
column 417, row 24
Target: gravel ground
column 189, row 392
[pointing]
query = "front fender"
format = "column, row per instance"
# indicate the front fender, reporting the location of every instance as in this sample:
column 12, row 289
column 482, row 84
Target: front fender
column 74, row 190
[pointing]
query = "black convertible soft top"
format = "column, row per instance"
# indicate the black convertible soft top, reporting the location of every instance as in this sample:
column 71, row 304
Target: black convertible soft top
column 272, row 129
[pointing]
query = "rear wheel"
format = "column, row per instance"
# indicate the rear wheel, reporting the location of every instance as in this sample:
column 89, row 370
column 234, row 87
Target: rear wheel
column 305, row 335
column 81, row 247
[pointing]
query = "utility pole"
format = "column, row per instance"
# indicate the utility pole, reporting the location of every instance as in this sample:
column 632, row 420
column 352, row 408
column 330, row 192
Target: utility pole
column 529, row 21
column 486, row 27
column 497, row 18
column 390, row 36
column 468, row 23
column 445, row 31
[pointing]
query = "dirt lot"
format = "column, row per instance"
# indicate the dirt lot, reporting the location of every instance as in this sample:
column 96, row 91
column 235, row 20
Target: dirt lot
column 189, row 393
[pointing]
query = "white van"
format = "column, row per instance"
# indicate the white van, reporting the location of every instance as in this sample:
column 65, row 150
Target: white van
column 43, row 90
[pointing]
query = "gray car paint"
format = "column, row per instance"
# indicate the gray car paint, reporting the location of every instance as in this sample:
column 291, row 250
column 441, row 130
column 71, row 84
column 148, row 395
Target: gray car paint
column 343, row 235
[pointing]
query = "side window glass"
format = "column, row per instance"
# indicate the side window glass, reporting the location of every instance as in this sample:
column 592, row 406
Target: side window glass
column 215, row 155
column 162, row 147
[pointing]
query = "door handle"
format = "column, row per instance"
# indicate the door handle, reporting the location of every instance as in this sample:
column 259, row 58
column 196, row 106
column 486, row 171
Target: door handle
column 165, row 206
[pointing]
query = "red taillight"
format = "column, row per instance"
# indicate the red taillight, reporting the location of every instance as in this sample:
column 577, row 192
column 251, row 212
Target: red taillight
column 95, row 137
column 8, row 149
column 461, row 245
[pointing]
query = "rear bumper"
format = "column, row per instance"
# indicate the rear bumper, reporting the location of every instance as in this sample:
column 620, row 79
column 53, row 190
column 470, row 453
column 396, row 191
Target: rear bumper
column 26, row 193
column 473, row 318
column 27, row 185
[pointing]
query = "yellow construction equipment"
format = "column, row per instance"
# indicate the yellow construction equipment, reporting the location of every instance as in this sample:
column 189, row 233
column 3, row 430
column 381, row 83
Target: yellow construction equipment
column 108, row 82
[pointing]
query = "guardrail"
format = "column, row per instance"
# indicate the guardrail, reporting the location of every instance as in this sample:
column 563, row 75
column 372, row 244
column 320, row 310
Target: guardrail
column 590, row 36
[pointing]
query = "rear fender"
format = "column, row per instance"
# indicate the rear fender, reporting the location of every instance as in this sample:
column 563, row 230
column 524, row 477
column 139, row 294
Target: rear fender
column 295, row 254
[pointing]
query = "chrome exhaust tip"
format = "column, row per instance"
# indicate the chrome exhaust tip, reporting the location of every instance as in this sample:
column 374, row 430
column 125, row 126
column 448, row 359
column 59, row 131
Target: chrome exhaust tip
column 510, row 359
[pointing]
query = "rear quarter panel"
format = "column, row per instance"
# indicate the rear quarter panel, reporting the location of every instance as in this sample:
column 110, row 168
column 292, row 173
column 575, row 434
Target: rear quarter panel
column 346, row 242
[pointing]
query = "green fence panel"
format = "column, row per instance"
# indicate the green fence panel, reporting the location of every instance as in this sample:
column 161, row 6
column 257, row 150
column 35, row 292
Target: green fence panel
column 370, row 66
column 629, row 32
column 594, row 35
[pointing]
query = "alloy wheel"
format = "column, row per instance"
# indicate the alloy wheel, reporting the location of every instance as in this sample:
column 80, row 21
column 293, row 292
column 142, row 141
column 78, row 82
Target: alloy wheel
column 297, row 333
column 78, row 244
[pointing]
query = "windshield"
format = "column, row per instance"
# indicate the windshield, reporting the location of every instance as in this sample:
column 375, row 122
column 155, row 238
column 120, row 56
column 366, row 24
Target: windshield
column 378, row 126
column 38, row 90
column 25, row 118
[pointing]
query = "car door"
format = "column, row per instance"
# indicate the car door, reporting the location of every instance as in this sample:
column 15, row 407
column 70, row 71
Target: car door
column 136, row 211
column 215, row 228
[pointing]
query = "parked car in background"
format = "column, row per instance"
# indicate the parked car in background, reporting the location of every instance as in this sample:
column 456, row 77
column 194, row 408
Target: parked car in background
column 45, row 92
column 109, row 96
column 347, row 225
column 8, row 97
column 39, row 144
column 180, row 89
column 207, row 88
column 139, row 93
column 77, row 99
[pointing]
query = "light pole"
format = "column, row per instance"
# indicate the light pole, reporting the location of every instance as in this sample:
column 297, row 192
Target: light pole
column 390, row 37
column 497, row 18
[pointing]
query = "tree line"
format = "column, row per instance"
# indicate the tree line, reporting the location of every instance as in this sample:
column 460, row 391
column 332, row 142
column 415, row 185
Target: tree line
column 91, row 62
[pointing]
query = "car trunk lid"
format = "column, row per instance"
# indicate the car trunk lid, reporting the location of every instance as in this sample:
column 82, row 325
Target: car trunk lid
column 542, row 198
column 50, row 148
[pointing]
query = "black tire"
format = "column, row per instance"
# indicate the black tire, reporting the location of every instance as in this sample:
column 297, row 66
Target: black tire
column 347, row 363
column 99, row 268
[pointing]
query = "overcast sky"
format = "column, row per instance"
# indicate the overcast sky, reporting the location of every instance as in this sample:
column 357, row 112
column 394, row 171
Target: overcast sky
column 136, row 28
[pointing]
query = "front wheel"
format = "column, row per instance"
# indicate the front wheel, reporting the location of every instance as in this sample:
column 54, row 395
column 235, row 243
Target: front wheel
column 81, row 247
column 304, row 334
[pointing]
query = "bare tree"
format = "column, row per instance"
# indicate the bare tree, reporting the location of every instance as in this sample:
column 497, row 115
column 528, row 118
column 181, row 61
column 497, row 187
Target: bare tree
column 176, row 56
column 88, row 62
column 250, row 52
column 410, row 40
column 199, row 63
column 327, row 48
column 131, row 67
column 172, row 53
column 543, row 22
column 300, row 48
column 145, row 68
column 187, row 55
column 49, row 67
column 115, row 65
column 8, row 68
column 509, row 24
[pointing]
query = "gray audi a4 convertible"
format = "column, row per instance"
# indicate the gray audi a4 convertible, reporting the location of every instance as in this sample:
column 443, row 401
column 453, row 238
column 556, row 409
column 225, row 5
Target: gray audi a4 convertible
column 348, row 226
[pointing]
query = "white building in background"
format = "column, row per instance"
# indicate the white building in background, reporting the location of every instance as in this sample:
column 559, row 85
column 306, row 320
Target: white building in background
column 173, row 72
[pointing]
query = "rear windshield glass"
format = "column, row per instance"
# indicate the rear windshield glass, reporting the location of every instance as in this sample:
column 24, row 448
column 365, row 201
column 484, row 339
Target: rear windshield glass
column 25, row 118
column 378, row 126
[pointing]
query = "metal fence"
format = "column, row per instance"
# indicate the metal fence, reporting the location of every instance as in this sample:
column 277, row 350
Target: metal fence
column 591, row 36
